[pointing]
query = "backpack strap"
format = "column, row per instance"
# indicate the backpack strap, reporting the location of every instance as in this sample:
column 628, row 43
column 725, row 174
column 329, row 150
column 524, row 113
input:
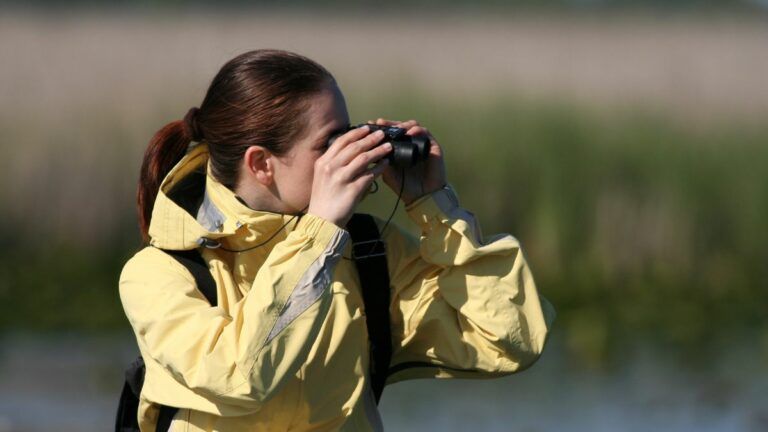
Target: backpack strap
column 128, row 408
column 370, row 256
column 194, row 262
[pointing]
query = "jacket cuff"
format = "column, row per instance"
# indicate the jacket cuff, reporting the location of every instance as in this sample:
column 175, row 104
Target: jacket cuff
column 319, row 229
column 437, row 205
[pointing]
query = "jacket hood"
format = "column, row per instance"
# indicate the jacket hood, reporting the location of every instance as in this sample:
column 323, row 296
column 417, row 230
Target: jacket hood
column 193, row 209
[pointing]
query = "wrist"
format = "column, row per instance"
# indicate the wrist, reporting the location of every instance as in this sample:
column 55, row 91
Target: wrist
column 329, row 215
column 443, row 200
column 425, row 193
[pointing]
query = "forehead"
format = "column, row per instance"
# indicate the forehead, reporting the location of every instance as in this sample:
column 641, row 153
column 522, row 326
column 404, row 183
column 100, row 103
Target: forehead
column 327, row 111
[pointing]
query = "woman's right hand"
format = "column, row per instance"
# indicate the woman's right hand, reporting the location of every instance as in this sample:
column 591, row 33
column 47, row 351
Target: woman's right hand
column 342, row 174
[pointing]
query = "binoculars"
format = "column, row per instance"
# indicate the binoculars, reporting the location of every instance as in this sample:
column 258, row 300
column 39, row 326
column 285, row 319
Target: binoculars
column 407, row 151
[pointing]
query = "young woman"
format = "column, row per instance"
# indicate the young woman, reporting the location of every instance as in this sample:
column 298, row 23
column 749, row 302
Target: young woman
column 265, row 199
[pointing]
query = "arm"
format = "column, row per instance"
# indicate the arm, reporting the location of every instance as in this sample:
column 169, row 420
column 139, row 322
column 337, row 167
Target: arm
column 462, row 306
column 231, row 363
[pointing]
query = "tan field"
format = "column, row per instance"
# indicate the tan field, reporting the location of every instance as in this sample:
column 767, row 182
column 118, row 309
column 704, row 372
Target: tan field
column 714, row 65
column 80, row 94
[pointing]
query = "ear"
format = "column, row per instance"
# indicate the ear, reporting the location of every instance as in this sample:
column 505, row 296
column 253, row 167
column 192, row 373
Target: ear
column 258, row 164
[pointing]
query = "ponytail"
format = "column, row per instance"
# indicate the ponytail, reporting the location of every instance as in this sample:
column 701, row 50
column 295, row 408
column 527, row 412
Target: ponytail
column 257, row 98
column 165, row 150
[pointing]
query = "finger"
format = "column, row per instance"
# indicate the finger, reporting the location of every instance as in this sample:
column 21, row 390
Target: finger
column 384, row 122
column 369, row 175
column 352, row 150
column 417, row 130
column 345, row 139
column 407, row 124
column 379, row 168
column 361, row 162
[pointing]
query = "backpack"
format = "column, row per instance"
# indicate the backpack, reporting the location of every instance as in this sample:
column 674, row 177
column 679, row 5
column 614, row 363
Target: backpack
column 369, row 254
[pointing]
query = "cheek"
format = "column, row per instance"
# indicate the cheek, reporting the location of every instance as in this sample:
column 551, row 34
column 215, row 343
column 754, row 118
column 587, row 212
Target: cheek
column 308, row 174
column 310, row 169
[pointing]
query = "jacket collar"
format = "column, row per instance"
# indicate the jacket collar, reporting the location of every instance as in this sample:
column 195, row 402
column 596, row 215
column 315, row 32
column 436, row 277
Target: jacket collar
column 193, row 209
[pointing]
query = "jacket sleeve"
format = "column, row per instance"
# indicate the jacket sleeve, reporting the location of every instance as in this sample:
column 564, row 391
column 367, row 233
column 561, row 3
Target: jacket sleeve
column 462, row 305
column 231, row 362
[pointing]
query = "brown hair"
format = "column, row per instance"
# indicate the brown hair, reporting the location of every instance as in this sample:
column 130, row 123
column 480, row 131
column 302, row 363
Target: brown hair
column 257, row 98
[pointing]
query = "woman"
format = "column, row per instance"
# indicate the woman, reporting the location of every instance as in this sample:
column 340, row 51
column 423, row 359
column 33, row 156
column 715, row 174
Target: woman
column 265, row 199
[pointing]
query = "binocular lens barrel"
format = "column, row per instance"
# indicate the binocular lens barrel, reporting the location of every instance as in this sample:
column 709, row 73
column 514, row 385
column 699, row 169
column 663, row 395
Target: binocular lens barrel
column 407, row 151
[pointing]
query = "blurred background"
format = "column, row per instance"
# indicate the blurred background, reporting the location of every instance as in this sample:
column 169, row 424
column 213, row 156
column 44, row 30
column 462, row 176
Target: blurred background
column 620, row 140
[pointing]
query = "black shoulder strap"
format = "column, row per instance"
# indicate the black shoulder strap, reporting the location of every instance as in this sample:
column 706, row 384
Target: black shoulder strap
column 128, row 408
column 369, row 254
column 194, row 262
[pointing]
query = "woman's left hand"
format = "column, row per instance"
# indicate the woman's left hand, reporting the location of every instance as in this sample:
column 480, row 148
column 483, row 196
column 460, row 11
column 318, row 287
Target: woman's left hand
column 423, row 178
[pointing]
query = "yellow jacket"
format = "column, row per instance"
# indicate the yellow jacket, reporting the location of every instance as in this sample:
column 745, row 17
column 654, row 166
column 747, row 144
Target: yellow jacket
column 286, row 347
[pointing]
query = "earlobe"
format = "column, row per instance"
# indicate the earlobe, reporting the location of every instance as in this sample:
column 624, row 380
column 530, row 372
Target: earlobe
column 264, row 176
column 259, row 164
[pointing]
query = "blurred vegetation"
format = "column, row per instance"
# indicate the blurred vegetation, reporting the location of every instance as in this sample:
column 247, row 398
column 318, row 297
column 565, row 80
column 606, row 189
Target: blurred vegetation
column 636, row 226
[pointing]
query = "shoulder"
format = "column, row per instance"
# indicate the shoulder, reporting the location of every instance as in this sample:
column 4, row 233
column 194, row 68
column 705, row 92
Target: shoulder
column 150, row 272
column 152, row 259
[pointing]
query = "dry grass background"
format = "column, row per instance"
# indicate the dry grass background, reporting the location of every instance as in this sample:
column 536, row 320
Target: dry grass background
column 714, row 64
column 81, row 93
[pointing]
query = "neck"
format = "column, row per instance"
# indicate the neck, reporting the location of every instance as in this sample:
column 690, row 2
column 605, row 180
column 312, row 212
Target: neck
column 260, row 198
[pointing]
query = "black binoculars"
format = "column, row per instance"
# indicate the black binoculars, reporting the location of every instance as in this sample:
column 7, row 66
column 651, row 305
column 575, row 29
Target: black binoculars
column 407, row 151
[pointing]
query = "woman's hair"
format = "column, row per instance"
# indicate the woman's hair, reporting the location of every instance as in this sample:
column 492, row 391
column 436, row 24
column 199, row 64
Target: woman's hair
column 257, row 98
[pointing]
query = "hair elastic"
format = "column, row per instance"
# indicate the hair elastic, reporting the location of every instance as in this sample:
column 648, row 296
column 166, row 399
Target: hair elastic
column 190, row 124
